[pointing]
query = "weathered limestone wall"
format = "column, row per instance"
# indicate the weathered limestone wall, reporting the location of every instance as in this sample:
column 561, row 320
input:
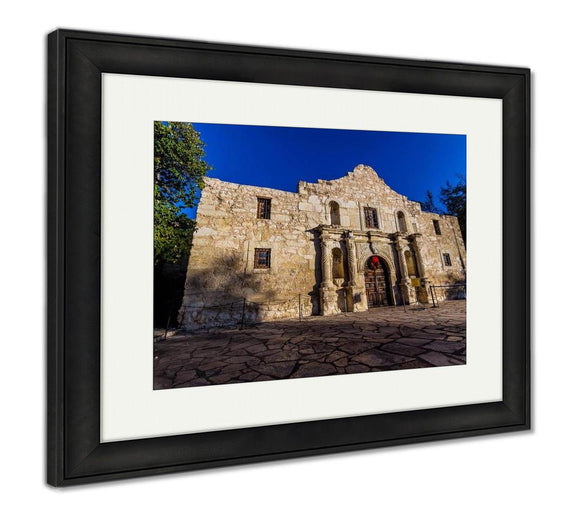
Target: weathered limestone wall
column 221, row 268
column 434, row 246
column 221, row 273
column 358, row 189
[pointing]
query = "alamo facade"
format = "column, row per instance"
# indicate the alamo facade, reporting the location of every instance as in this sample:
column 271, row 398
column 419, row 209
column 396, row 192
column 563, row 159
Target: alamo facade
column 342, row 245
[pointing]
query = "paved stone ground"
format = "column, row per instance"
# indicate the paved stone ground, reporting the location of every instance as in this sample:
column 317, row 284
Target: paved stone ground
column 377, row 340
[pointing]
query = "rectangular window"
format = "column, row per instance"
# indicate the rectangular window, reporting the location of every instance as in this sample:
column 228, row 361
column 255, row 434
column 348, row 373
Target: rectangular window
column 447, row 259
column 371, row 217
column 437, row 227
column 264, row 208
column 262, row 258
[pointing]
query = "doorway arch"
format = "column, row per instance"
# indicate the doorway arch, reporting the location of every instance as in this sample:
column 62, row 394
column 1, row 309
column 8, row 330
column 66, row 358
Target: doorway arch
column 378, row 282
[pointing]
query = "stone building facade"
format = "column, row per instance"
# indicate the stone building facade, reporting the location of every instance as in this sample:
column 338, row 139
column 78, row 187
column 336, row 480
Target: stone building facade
column 333, row 246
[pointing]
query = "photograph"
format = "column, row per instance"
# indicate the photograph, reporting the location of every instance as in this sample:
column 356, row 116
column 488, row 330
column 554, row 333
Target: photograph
column 290, row 252
column 260, row 254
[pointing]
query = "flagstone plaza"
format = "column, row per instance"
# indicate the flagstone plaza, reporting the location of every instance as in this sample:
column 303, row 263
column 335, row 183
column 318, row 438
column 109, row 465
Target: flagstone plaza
column 386, row 338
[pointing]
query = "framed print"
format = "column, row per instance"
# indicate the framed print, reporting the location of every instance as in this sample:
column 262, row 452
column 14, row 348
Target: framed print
column 260, row 253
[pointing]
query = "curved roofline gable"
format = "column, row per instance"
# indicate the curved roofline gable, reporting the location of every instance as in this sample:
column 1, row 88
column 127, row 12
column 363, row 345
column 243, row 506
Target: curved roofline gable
column 359, row 172
column 364, row 171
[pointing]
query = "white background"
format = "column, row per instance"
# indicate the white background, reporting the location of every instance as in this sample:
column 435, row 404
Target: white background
column 524, row 470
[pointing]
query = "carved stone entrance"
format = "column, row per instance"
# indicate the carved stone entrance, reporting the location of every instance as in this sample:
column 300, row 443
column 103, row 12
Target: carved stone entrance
column 377, row 283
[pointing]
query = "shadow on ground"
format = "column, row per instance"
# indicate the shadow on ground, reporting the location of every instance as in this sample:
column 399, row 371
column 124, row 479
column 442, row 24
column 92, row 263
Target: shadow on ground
column 378, row 340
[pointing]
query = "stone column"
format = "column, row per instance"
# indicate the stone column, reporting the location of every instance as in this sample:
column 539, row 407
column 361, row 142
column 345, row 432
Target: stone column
column 327, row 292
column 402, row 261
column 351, row 289
column 405, row 283
column 351, row 259
column 424, row 289
column 416, row 240
column 326, row 262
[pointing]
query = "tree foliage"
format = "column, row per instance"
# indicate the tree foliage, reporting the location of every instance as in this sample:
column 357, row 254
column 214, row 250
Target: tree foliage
column 429, row 204
column 179, row 168
column 454, row 198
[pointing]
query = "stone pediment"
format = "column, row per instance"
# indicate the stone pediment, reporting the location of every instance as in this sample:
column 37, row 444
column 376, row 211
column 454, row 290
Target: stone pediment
column 362, row 174
column 360, row 177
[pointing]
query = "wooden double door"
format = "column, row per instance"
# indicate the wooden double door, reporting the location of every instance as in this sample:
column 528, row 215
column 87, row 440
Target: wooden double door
column 377, row 283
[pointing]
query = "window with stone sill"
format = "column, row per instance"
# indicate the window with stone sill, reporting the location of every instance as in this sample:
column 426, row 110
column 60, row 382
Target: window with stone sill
column 262, row 258
column 437, row 227
column 264, row 208
column 447, row 259
column 334, row 213
column 401, row 222
column 371, row 217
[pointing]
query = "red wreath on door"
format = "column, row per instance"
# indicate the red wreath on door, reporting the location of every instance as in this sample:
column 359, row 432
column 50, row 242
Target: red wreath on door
column 374, row 263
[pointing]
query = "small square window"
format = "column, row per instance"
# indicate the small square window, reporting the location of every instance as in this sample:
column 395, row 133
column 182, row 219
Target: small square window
column 371, row 217
column 447, row 259
column 262, row 258
column 264, row 208
column 437, row 227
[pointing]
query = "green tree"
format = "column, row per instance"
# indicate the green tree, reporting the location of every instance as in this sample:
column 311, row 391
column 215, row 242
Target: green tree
column 179, row 168
column 454, row 198
column 429, row 204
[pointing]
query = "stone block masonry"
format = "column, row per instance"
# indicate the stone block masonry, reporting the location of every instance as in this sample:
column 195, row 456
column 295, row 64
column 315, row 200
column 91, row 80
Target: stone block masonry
column 348, row 244
column 380, row 339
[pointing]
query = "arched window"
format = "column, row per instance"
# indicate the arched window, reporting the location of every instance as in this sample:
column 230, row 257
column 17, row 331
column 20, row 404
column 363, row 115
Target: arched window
column 334, row 213
column 337, row 264
column 410, row 264
column 401, row 222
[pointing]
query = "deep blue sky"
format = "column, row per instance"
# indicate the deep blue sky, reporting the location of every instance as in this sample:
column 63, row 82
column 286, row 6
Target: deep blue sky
column 278, row 157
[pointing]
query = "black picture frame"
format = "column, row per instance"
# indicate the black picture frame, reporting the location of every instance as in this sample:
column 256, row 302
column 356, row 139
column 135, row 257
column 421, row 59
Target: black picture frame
column 75, row 63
